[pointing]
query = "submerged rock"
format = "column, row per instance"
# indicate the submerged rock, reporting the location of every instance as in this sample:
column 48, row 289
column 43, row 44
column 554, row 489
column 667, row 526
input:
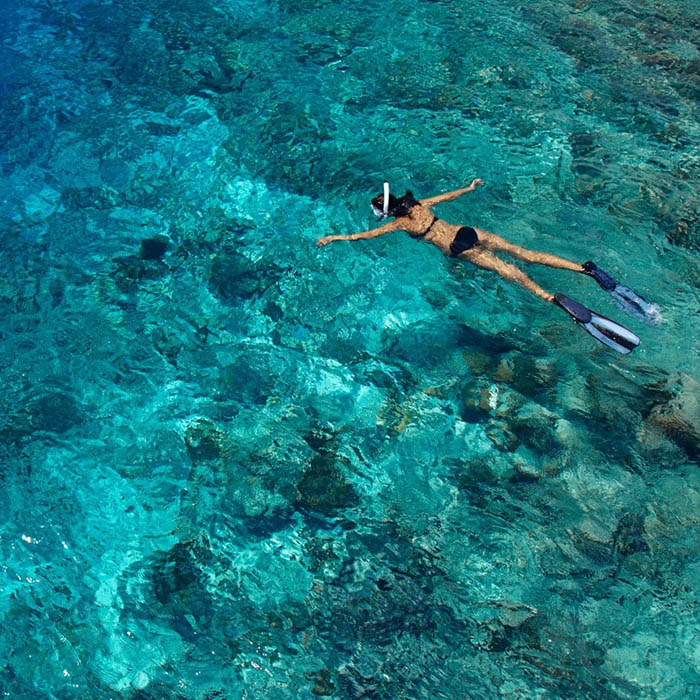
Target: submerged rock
column 537, row 427
column 234, row 277
column 169, row 345
column 90, row 197
column 131, row 270
column 55, row 412
column 678, row 417
column 39, row 206
column 481, row 399
column 527, row 374
column 57, row 291
column 504, row 371
column 526, row 471
column 323, row 685
column 177, row 591
column 475, row 402
column 154, row 248
column 204, row 441
column 628, row 537
column 479, row 362
column 251, row 378
column 16, row 428
column 323, row 487
column 502, row 437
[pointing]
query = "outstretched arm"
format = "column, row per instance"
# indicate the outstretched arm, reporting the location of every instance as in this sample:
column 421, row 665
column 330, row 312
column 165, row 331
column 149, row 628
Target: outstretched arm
column 449, row 196
column 372, row 233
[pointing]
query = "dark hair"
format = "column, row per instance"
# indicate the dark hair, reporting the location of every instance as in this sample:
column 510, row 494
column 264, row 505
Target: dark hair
column 397, row 207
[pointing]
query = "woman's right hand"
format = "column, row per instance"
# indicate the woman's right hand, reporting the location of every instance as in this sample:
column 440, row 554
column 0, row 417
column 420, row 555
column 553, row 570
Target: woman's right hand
column 476, row 182
column 325, row 241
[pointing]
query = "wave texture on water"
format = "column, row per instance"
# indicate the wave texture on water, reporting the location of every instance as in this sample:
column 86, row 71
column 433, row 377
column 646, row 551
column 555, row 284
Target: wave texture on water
column 236, row 466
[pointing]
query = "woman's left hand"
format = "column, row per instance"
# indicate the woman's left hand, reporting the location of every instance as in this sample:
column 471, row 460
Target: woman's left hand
column 476, row 182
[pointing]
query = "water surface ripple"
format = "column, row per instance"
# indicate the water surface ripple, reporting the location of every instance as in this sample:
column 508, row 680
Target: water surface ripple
column 236, row 466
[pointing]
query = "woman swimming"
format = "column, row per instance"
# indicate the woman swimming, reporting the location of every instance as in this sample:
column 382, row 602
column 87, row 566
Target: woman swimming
column 479, row 247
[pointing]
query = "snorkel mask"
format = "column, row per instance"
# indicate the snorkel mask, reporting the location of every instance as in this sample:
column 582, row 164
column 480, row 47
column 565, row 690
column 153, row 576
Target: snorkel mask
column 384, row 212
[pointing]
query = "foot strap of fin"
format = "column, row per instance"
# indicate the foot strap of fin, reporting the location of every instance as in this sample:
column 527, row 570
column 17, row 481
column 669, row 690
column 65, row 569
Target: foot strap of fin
column 624, row 297
column 600, row 276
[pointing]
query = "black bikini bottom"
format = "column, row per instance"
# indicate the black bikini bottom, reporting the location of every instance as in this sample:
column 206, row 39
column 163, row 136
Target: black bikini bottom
column 465, row 239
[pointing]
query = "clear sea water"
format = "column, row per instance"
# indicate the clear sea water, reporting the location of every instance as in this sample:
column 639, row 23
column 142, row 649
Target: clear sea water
column 236, row 466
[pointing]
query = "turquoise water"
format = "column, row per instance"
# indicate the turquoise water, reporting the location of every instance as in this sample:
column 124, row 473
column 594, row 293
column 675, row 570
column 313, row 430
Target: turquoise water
column 236, row 466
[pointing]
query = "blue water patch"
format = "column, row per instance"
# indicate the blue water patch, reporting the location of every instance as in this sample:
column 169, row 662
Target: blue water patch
column 238, row 466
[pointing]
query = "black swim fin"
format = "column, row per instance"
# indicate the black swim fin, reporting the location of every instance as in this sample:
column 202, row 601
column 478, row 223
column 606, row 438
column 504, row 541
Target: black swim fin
column 624, row 297
column 603, row 329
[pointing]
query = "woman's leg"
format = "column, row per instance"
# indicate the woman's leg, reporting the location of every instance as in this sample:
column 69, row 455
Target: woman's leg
column 491, row 241
column 487, row 260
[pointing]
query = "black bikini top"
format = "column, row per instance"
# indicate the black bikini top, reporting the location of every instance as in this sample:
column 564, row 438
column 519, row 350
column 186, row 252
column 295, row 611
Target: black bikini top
column 420, row 235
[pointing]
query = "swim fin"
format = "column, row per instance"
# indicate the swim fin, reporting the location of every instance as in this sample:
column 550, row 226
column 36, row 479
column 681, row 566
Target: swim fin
column 624, row 297
column 603, row 329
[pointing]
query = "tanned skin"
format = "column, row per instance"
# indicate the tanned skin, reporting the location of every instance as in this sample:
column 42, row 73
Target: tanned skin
column 482, row 254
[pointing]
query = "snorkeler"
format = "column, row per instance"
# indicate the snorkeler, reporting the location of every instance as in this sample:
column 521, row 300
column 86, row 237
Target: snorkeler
column 479, row 247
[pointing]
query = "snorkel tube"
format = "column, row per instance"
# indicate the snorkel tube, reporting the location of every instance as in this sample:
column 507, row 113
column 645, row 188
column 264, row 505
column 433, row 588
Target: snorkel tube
column 383, row 213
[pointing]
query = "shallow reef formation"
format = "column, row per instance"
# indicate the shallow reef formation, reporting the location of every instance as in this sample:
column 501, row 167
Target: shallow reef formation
column 236, row 466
